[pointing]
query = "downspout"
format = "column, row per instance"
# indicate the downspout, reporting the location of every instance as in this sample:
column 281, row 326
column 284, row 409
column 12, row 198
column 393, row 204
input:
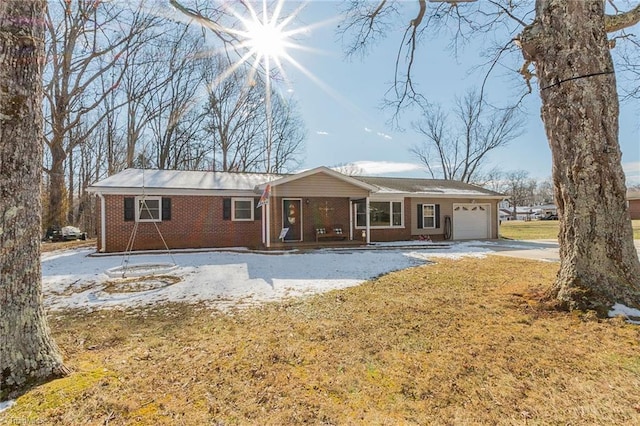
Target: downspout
column 103, row 225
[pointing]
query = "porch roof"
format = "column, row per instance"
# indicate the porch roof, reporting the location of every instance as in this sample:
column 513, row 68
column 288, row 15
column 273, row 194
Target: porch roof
column 321, row 170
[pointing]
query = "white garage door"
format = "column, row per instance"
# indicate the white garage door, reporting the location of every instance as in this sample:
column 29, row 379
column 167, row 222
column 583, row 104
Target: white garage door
column 471, row 221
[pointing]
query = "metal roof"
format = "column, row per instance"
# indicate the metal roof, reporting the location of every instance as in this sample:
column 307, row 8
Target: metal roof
column 181, row 180
column 198, row 181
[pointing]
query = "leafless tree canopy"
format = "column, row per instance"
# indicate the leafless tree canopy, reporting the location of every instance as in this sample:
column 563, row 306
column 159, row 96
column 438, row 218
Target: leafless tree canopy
column 127, row 88
column 520, row 188
column 455, row 149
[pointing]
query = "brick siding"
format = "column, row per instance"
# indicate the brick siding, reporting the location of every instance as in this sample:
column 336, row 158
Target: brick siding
column 196, row 222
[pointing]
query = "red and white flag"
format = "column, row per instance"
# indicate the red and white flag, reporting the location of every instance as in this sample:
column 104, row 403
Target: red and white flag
column 264, row 198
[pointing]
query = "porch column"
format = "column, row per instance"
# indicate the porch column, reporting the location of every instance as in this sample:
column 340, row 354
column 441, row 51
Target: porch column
column 267, row 223
column 263, row 215
column 368, row 221
column 351, row 224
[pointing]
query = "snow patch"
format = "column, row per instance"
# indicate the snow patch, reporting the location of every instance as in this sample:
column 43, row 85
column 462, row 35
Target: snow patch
column 5, row 405
column 224, row 279
column 630, row 314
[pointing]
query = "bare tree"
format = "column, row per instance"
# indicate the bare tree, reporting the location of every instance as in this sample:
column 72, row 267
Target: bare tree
column 174, row 119
column 28, row 354
column 349, row 169
column 566, row 48
column 627, row 54
column 457, row 151
column 492, row 179
column 235, row 116
column 161, row 90
column 288, row 135
column 544, row 191
column 86, row 40
column 244, row 135
column 520, row 188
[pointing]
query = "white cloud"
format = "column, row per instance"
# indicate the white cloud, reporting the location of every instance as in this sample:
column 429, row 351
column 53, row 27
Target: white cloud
column 385, row 167
column 384, row 135
column 632, row 172
column 323, row 133
column 368, row 130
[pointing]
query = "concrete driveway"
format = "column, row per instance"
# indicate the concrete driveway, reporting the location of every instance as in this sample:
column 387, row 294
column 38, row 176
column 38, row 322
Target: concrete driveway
column 545, row 250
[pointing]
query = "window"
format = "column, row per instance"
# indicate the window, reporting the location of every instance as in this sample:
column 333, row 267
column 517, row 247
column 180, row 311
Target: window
column 242, row 209
column 428, row 215
column 148, row 209
column 382, row 214
column 396, row 216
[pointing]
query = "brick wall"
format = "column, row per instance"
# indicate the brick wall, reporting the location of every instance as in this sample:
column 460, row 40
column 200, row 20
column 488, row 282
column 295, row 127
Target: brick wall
column 196, row 222
column 634, row 209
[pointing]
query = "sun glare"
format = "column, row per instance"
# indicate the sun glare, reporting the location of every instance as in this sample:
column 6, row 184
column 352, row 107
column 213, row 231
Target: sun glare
column 266, row 39
column 263, row 41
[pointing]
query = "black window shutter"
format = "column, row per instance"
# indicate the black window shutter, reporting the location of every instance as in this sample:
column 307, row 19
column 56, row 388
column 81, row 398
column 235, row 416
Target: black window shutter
column 257, row 212
column 437, row 215
column 129, row 209
column 166, row 208
column 420, row 218
column 226, row 209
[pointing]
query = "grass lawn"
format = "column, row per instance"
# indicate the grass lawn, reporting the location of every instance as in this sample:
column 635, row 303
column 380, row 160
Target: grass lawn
column 541, row 229
column 457, row 342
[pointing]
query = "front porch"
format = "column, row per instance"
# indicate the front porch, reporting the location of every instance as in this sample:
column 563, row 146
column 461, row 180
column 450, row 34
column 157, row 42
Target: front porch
column 312, row 245
column 315, row 208
column 312, row 222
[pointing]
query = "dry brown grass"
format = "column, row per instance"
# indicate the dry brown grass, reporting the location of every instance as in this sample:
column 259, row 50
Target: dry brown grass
column 48, row 246
column 458, row 342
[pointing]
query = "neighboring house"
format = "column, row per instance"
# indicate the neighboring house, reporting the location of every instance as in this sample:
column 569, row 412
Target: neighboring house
column 522, row 213
column 633, row 203
column 505, row 214
column 546, row 210
column 142, row 209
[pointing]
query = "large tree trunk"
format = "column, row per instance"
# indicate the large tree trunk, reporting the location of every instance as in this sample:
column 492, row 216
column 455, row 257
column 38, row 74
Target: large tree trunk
column 28, row 355
column 57, row 212
column 598, row 262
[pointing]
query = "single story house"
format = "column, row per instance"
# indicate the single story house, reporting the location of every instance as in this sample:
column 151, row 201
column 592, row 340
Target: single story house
column 144, row 209
column 633, row 203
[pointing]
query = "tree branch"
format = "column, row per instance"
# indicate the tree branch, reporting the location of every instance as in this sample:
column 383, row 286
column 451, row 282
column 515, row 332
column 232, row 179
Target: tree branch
column 623, row 20
column 508, row 13
column 218, row 30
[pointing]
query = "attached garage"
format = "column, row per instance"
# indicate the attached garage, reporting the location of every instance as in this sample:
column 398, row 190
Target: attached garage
column 471, row 221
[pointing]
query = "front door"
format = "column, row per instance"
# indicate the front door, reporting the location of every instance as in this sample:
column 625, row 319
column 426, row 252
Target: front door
column 292, row 219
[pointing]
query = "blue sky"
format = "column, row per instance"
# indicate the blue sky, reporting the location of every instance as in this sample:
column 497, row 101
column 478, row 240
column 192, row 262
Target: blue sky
column 340, row 105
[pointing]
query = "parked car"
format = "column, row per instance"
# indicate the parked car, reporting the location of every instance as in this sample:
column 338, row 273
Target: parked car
column 66, row 233
column 73, row 233
column 550, row 217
